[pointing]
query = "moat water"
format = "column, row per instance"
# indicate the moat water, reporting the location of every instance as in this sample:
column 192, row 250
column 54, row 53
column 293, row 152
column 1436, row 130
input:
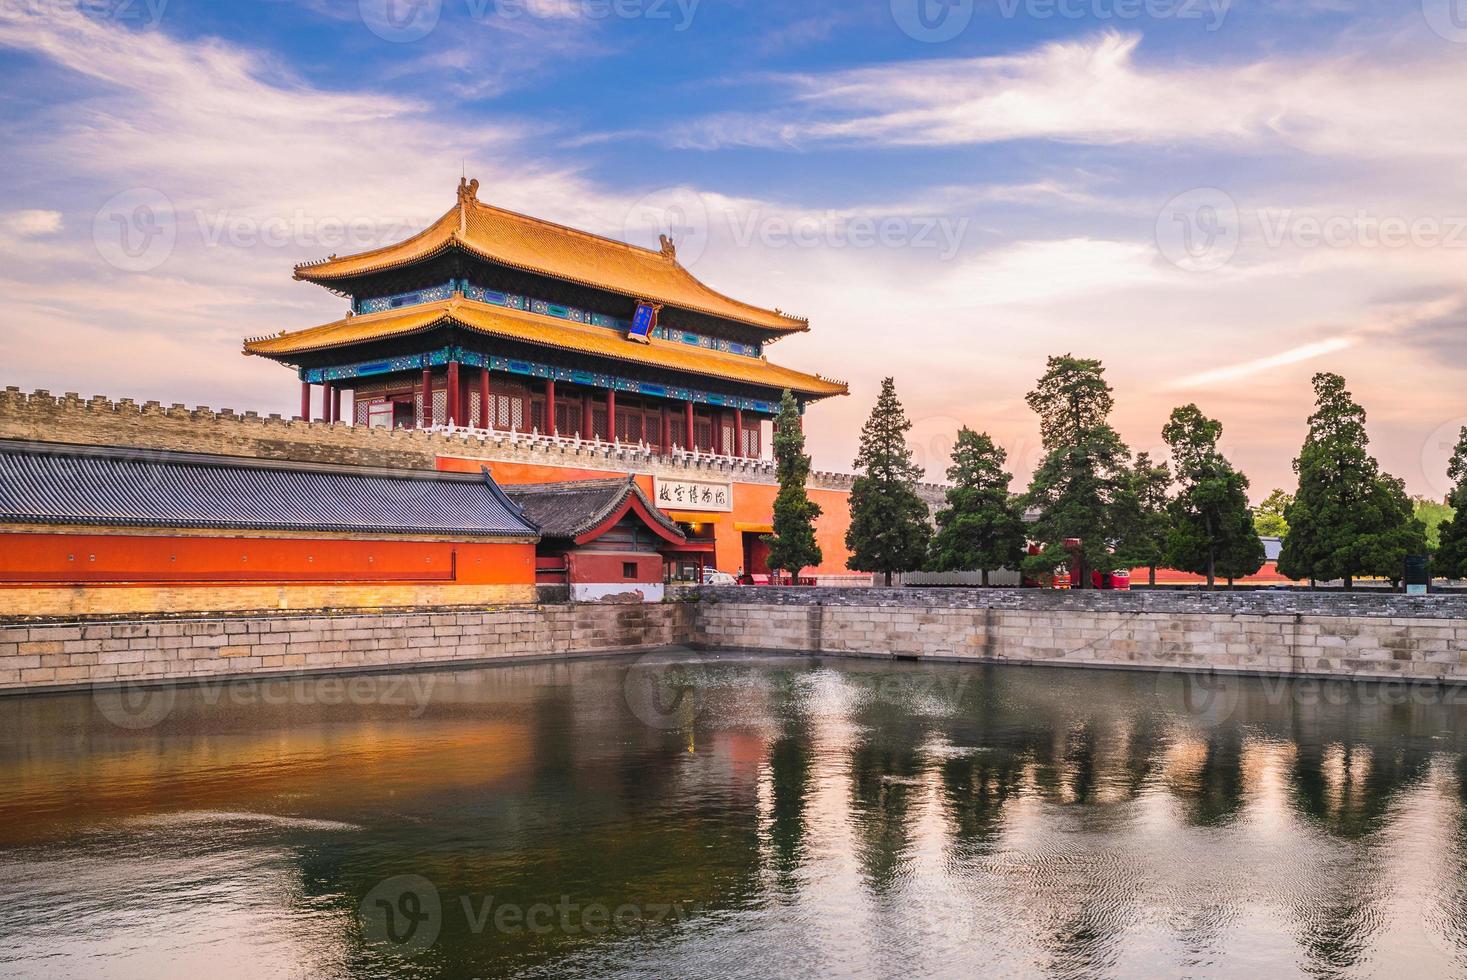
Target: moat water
column 736, row 817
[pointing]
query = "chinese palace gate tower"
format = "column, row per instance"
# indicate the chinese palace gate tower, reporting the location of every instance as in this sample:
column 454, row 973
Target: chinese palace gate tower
column 493, row 321
column 489, row 319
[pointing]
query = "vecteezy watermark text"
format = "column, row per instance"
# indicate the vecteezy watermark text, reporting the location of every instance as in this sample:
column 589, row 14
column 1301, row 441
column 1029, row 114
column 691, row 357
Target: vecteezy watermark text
column 404, row 21
column 934, row 21
column 139, row 706
column 1200, row 230
column 134, row 13
column 406, row 914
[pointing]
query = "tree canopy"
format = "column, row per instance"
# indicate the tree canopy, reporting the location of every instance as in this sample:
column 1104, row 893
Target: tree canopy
column 1450, row 560
column 982, row 526
column 1212, row 529
column 1144, row 517
column 1083, row 476
column 1268, row 517
column 1347, row 518
column 792, row 546
column 890, row 527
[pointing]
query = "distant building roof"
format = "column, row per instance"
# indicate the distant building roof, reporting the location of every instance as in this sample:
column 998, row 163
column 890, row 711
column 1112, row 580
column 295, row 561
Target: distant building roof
column 109, row 487
column 550, row 249
column 582, row 510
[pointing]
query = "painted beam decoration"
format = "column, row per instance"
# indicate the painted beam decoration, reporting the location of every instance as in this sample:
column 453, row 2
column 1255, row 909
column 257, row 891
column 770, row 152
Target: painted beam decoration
column 692, row 494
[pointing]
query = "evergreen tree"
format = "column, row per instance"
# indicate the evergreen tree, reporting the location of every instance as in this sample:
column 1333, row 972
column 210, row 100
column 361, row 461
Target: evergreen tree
column 889, row 523
column 1079, row 486
column 981, row 527
column 1450, row 560
column 792, row 546
column 1144, row 516
column 1268, row 517
column 1212, row 526
column 1346, row 518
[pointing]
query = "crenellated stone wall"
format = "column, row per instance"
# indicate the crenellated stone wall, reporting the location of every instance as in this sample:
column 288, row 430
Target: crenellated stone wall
column 70, row 418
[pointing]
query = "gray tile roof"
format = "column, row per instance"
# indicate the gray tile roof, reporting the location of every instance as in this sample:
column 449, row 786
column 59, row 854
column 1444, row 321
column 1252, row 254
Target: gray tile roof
column 568, row 510
column 56, row 484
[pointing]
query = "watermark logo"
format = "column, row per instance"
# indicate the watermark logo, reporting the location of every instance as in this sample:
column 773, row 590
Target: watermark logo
column 665, row 693
column 403, row 914
column 1207, row 699
column 1436, row 455
column 676, row 218
column 932, row 21
column 1199, row 230
column 135, row 706
column 1447, row 18
column 135, row 231
column 400, row 21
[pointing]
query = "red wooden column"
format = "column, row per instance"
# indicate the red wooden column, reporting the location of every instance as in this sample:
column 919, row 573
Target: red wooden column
column 427, row 397
column 588, row 421
column 306, row 400
column 739, row 433
column 550, row 427
column 453, row 393
column 484, row 397
column 666, row 440
column 688, row 427
column 611, row 415
column 336, row 403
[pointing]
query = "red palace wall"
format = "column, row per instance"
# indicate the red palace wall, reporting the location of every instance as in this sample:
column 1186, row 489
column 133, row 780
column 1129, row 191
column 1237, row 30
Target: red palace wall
column 753, row 504
column 118, row 559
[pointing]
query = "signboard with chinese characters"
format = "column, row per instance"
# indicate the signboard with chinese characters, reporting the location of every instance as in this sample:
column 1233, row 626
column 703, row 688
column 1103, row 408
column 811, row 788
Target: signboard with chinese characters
column 692, row 494
column 644, row 321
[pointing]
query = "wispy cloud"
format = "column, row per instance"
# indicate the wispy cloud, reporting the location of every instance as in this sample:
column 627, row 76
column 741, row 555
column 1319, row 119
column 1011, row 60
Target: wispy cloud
column 1247, row 369
column 1100, row 90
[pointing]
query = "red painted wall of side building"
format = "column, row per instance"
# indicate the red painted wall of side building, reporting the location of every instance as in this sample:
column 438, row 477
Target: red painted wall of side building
column 98, row 559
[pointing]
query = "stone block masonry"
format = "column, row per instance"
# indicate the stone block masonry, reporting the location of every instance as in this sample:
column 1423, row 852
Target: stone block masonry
column 81, row 653
column 1325, row 634
column 1293, row 634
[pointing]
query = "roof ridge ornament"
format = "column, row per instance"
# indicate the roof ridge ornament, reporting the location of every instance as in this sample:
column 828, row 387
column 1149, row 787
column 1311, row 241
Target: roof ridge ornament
column 468, row 193
column 669, row 247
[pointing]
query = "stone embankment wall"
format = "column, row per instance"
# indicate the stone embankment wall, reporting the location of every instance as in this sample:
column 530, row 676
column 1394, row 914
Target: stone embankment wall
column 79, row 654
column 1332, row 634
column 1326, row 634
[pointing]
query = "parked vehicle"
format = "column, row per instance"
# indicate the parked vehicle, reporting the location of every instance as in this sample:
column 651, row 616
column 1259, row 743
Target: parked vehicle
column 713, row 576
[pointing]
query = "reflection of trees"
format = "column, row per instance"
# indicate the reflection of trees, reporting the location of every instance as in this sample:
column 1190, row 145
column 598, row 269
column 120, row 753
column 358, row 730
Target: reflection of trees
column 885, row 766
column 791, row 759
column 1213, row 792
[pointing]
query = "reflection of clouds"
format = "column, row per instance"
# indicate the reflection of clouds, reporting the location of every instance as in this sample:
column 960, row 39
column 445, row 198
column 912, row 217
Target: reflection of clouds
column 1043, row 821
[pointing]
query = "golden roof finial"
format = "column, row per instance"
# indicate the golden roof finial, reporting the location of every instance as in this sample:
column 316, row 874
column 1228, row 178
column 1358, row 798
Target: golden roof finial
column 669, row 248
column 468, row 190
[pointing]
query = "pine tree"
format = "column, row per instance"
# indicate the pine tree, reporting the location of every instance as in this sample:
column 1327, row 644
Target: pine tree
column 1347, row 519
column 1212, row 525
column 981, row 527
column 1079, row 486
column 889, row 523
column 792, row 546
column 1450, row 560
column 1268, row 517
column 1144, row 516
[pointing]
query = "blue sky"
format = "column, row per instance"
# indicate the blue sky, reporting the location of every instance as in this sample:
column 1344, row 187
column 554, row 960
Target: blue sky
column 1217, row 199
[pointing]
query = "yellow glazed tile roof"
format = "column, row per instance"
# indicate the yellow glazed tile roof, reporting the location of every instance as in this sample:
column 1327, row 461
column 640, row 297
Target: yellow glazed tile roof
column 545, row 331
column 553, row 250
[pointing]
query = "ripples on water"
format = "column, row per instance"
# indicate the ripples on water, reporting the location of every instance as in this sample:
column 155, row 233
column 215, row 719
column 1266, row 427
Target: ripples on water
column 734, row 817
